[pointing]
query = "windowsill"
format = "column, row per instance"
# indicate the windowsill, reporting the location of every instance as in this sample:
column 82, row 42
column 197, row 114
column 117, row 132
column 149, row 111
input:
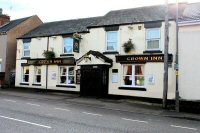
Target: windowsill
column 152, row 51
column 24, row 83
column 111, row 52
column 36, row 84
column 133, row 88
column 66, row 54
column 68, row 86
column 25, row 58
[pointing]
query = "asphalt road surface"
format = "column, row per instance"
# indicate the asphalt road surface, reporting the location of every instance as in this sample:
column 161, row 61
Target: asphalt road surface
column 28, row 115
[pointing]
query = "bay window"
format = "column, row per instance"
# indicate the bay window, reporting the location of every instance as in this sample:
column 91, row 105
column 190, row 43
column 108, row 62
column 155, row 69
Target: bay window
column 37, row 75
column 153, row 39
column 67, row 76
column 133, row 75
column 25, row 74
column 68, row 45
column 112, row 40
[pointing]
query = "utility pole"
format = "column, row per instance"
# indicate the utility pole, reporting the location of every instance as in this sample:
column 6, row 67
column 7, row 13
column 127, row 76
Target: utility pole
column 165, row 80
column 176, row 61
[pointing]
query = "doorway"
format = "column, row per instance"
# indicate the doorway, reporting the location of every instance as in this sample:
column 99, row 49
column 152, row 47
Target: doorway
column 94, row 81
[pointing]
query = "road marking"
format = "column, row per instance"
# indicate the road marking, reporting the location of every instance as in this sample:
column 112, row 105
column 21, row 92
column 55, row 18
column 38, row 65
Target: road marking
column 8, row 100
column 62, row 109
column 183, row 127
column 23, row 121
column 91, row 114
column 134, row 120
column 33, row 104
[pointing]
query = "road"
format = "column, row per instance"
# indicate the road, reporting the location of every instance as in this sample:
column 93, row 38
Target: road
column 24, row 115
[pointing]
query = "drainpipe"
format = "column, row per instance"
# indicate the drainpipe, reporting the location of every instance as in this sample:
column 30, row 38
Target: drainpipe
column 47, row 65
column 176, row 61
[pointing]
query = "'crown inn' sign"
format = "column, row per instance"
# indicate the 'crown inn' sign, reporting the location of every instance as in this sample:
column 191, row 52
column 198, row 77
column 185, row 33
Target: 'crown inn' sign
column 142, row 58
column 62, row 61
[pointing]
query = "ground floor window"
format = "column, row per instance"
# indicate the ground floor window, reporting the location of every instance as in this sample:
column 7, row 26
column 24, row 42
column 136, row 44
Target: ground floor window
column 37, row 76
column 25, row 74
column 133, row 75
column 67, row 75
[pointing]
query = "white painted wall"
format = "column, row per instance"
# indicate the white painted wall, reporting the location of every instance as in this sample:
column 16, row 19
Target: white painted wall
column 189, row 47
column 96, row 40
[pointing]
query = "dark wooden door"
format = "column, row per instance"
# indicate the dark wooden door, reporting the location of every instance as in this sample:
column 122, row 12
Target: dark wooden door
column 93, row 81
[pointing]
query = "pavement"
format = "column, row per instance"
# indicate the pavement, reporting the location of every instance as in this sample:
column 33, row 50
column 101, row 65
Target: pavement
column 124, row 105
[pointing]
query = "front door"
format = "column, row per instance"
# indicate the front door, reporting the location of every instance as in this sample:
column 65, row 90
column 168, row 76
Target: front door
column 94, row 81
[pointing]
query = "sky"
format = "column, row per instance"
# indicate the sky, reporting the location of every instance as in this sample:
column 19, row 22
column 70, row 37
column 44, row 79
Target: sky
column 56, row 10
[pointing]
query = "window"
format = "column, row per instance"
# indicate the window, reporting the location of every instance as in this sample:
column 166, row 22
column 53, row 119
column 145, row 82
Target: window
column 25, row 74
column 37, row 76
column 26, row 48
column 133, row 75
column 67, row 75
column 112, row 40
column 153, row 39
column 68, row 45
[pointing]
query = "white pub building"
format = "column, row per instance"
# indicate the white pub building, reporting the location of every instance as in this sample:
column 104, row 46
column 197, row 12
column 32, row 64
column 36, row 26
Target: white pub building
column 121, row 53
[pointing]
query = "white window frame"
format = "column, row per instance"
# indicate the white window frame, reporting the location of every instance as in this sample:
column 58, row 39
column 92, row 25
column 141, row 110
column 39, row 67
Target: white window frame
column 159, row 39
column 36, row 74
column 132, row 76
column 66, row 75
column 25, row 50
column 64, row 45
column 25, row 74
column 112, row 41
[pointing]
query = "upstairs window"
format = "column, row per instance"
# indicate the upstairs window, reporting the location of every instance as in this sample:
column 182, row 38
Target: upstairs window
column 112, row 40
column 68, row 45
column 26, row 49
column 153, row 39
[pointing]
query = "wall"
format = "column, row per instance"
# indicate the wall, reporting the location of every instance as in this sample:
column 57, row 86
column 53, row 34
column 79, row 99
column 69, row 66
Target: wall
column 189, row 38
column 96, row 40
column 3, row 46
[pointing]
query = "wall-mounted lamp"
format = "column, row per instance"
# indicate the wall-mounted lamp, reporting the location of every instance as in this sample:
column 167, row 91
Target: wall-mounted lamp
column 130, row 27
column 87, row 58
column 139, row 27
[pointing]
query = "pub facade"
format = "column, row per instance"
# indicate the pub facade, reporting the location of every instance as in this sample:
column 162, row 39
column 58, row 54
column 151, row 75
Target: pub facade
column 98, row 56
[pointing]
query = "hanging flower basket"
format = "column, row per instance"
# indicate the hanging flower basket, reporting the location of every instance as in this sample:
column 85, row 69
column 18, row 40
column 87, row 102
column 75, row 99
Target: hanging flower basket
column 48, row 54
column 77, row 36
column 128, row 46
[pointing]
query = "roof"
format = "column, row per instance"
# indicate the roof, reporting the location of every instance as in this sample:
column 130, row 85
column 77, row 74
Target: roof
column 191, row 13
column 118, row 17
column 63, row 27
column 97, row 54
column 5, row 28
column 135, row 15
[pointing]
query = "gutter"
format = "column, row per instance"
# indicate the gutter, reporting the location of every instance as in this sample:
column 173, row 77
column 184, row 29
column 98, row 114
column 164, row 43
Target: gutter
column 187, row 23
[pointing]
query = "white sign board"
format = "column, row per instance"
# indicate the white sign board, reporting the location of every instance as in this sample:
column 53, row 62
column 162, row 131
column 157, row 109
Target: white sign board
column 115, row 77
column 151, row 79
column 53, row 75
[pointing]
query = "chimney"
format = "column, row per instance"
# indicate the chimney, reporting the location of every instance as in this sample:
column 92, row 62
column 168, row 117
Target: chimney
column 3, row 18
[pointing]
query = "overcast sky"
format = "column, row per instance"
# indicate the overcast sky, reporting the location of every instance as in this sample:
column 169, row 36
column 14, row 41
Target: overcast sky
column 55, row 10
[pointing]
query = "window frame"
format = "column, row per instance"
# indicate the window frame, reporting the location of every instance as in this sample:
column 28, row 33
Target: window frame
column 25, row 74
column 159, row 39
column 112, row 41
column 132, row 76
column 66, row 75
column 25, row 50
column 35, row 70
column 64, row 45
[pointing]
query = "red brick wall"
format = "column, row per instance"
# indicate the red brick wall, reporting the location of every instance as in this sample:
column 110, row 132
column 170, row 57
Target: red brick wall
column 4, row 19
